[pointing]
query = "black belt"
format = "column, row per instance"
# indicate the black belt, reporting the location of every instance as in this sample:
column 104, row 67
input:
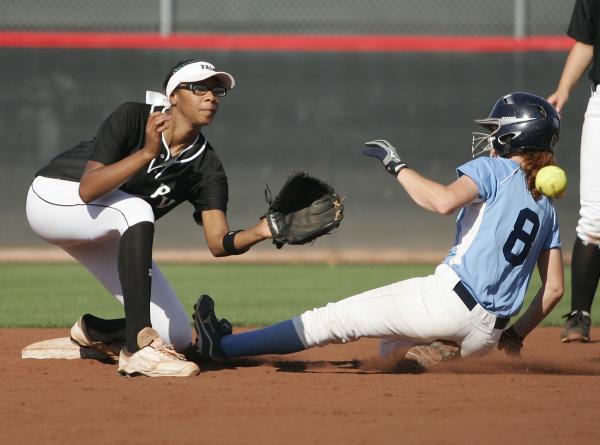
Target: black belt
column 594, row 87
column 470, row 302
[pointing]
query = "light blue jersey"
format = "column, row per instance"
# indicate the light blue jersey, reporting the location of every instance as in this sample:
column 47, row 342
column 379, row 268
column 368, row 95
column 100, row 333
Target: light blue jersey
column 499, row 237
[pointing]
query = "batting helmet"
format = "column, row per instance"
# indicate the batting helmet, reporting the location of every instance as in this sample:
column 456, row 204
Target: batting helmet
column 518, row 122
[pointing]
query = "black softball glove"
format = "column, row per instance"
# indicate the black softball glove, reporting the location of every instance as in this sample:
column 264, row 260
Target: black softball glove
column 511, row 342
column 304, row 209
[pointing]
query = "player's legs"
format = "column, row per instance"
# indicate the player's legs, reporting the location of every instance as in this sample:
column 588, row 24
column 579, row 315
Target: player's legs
column 420, row 310
column 168, row 316
column 585, row 267
column 480, row 341
column 417, row 311
column 585, row 273
column 588, row 226
column 397, row 310
column 93, row 235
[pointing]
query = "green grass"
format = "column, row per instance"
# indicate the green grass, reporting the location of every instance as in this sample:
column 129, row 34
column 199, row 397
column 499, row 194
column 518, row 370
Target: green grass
column 54, row 295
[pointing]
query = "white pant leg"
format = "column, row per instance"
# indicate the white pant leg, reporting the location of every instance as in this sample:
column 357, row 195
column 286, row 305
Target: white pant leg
column 167, row 314
column 91, row 233
column 420, row 310
column 588, row 226
column 56, row 212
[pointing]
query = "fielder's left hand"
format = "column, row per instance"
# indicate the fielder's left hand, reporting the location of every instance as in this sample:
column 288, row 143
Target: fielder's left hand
column 386, row 153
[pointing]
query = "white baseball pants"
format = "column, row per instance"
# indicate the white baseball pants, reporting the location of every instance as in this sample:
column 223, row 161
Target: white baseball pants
column 414, row 311
column 588, row 226
column 90, row 233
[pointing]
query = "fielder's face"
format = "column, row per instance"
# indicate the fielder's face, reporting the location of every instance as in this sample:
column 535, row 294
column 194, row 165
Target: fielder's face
column 198, row 105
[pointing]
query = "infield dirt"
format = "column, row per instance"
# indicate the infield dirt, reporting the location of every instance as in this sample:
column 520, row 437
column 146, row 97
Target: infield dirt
column 333, row 395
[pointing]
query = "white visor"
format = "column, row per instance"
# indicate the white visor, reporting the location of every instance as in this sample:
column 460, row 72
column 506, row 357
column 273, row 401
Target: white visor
column 196, row 72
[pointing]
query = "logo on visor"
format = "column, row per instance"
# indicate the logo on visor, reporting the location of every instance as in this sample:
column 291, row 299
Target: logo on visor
column 203, row 65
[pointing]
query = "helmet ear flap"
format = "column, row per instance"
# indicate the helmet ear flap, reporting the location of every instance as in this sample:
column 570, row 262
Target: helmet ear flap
column 503, row 144
column 506, row 138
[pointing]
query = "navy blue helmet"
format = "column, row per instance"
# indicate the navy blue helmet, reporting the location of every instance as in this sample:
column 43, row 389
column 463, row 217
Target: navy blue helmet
column 519, row 122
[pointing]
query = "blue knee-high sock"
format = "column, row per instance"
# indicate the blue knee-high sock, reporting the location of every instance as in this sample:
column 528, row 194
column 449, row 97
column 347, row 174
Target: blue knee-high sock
column 280, row 338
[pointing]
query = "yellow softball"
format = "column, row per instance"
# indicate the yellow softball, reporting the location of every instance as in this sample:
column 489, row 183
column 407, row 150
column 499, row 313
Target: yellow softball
column 551, row 181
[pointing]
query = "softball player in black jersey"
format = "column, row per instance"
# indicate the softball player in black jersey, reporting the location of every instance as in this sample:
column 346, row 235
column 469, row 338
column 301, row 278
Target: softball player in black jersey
column 99, row 201
column 584, row 56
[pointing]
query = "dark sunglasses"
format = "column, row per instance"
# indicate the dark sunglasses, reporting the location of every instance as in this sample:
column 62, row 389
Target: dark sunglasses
column 199, row 89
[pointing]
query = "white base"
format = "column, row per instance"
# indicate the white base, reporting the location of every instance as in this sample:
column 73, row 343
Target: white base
column 61, row 348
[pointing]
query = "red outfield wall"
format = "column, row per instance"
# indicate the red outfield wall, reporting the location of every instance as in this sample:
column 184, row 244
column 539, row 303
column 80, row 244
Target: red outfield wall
column 284, row 42
column 302, row 102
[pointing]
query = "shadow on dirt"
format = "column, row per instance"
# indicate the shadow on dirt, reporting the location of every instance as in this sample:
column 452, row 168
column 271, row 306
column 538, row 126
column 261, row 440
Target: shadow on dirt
column 375, row 365
column 316, row 366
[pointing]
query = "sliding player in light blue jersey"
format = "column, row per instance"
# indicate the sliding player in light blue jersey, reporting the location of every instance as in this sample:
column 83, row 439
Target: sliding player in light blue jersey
column 505, row 227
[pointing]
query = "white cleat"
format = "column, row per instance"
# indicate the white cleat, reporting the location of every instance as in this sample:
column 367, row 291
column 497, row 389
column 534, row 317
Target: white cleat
column 80, row 336
column 155, row 358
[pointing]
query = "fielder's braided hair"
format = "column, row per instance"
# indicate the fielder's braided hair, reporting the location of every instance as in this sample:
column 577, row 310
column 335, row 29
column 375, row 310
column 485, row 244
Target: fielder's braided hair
column 534, row 161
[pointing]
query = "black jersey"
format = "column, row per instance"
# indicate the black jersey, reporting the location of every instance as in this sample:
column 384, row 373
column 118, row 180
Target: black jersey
column 195, row 174
column 584, row 27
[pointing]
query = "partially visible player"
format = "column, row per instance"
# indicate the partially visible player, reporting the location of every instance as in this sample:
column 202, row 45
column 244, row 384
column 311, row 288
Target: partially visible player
column 99, row 201
column 585, row 264
column 505, row 227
